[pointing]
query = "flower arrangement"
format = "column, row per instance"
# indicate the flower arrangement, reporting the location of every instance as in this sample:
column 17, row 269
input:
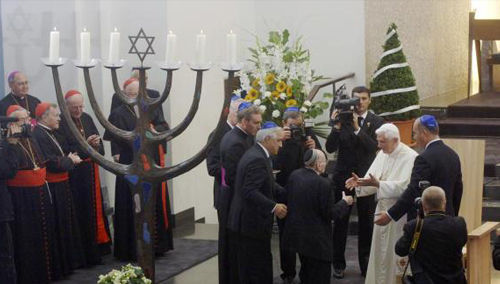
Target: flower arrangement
column 128, row 274
column 280, row 77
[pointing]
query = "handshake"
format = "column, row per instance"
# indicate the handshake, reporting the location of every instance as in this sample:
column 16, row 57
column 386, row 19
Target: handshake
column 280, row 210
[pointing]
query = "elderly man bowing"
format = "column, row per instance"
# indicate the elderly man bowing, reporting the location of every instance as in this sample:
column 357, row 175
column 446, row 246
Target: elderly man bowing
column 387, row 177
column 253, row 206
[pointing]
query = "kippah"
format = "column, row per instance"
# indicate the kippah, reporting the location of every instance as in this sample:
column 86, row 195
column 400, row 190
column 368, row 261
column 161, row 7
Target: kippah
column 41, row 108
column 71, row 93
column 310, row 157
column 128, row 82
column 12, row 109
column 292, row 108
column 244, row 105
column 429, row 121
column 269, row 124
column 235, row 97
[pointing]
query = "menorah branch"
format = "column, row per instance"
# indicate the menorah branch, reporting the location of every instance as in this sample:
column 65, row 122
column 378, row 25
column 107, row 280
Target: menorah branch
column 166, row 91
column 116, row 86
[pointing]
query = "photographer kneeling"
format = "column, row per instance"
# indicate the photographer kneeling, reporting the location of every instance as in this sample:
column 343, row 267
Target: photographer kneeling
column 437, row 257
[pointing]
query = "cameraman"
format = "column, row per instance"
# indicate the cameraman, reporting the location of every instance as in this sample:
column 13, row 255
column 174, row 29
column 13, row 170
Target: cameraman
column 8, row 169
column 290, row 157
column 438, row 254
column 353, row 135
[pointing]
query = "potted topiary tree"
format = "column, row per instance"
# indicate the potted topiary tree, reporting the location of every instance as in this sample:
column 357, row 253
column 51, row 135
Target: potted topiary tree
column 394, row 94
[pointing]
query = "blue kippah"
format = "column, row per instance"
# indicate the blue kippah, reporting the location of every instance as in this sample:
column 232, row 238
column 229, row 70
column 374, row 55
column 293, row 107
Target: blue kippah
column 269, row 124
column 244, row 105
column 293, row 108
column 429, row 121
column 235, row 97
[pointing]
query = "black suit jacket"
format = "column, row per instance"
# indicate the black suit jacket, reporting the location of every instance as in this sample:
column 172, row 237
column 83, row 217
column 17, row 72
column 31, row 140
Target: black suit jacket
column 251, row 208
column 232, row 147
column 8, row 170
column 439, row 250
column 439, row 165
column 311, row 208
column 214, row 164
column 356, row 152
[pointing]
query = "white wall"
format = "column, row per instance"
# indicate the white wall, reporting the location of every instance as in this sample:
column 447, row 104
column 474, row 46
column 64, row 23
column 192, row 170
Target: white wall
column 332, row 30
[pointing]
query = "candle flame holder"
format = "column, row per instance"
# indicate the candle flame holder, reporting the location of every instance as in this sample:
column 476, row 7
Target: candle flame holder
column 143, row 175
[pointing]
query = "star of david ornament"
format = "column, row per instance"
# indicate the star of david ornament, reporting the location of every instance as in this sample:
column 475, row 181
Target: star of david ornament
column 135, row 39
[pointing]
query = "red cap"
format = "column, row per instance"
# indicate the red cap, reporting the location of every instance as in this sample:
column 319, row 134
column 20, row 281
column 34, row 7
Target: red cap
column 71, row 93
column 128, row 82
column 12, row 109
column 41, row 108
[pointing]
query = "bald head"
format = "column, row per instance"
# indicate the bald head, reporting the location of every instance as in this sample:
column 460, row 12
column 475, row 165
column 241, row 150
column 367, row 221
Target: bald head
column 75, row 105
column 433, row 199
column 18, row 83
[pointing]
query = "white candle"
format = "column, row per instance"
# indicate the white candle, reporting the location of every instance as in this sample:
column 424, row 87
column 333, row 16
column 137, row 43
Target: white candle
column 231, row 48
column 200, row 49
column 84, row 46
column 114, row 47
column 54, row 46
column 170, row 52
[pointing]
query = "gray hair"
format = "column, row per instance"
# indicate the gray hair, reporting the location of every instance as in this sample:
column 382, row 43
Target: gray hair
column 272, row 133
column 434, row 198
column 389, row 130
column 292, row 115
column 233, row 106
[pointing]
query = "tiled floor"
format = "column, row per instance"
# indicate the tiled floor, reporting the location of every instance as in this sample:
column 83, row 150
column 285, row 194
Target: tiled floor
column 206, row 272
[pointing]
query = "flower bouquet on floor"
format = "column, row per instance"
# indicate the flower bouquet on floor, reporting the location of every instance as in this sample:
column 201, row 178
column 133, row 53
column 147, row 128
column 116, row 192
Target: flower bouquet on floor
column 279, row 77
column 128, row 274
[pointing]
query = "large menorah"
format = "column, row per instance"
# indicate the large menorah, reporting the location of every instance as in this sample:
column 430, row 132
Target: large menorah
column 143, row 175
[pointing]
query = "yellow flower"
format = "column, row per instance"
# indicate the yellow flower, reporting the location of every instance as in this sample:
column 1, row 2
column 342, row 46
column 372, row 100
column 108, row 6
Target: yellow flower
column 290, row 103
column 275, row 95
column 281, row 86
column 256, row 83
column 289, row 91
column 269, row 78
column 252, row 95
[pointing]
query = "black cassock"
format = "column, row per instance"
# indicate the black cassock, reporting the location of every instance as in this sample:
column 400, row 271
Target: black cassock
column 124, row 118
column 86, row 187
column 29, row 103
column 36, row 254
column 67, row 229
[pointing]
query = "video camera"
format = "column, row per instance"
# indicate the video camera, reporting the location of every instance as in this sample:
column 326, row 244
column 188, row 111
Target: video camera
column 346, row 106
column 423, row 184
column 5, row 120
column 298, row 133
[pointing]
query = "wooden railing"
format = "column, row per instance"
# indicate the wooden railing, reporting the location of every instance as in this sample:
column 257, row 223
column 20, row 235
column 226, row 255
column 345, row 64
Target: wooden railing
column 478, row 254
column 331, row 82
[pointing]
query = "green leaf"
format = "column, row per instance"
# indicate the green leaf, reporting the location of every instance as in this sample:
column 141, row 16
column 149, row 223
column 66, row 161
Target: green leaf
column 286, row 34
column 274, row 37
column 328, row 95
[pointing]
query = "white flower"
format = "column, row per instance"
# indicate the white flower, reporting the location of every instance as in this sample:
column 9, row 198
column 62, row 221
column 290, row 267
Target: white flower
column 262, row 108
column 256, row 102
column 303, row 109
column 237, row 92
column 267, row 94
column 307, row 103
column 276, row 113
column 283, row 96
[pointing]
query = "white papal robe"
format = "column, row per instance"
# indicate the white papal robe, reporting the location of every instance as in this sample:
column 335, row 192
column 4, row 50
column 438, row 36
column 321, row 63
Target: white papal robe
column 393, row 171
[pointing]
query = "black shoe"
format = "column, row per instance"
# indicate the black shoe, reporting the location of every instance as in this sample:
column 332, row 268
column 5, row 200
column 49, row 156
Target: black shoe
column 338, row 273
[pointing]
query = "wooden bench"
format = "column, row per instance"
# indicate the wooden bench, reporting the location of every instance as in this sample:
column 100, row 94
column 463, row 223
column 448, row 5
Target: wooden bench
column 478, row 254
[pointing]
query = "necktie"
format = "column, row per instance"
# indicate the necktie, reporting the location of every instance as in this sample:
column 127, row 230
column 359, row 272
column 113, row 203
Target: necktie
column 360, row 121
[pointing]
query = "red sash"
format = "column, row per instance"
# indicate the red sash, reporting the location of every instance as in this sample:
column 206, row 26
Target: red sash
column 28, row 178
column 164, row 193
column 57, row 177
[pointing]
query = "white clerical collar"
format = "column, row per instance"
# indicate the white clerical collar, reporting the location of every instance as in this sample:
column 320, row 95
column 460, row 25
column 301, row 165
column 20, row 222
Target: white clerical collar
column 364, row 115
column 44, row 126
column 432, row 141
column 230, row 125
column 241, row 129
column 264, row 148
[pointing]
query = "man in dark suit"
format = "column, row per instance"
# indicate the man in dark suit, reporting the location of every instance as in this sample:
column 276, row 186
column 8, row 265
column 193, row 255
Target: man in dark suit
column 438, row 164
column 214, row 169
column 356, row 143
column 291, row 157
column 19, row 88
column 438, row 255
column 308, row 226
column 253, row 207
column 232, row 147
